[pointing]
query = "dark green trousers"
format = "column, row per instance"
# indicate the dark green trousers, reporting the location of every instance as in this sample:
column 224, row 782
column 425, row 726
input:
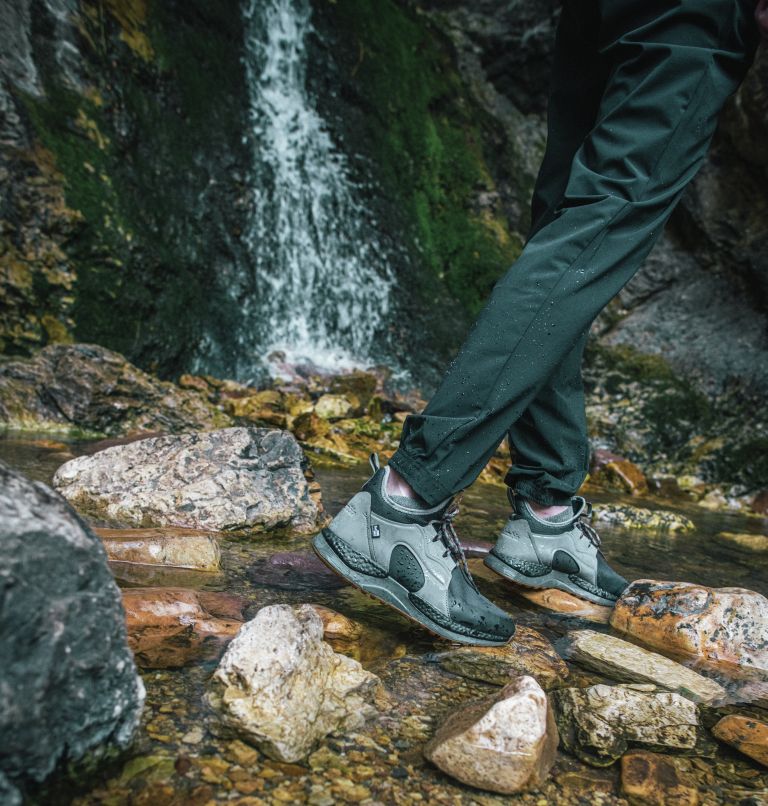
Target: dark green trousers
column 636, row 90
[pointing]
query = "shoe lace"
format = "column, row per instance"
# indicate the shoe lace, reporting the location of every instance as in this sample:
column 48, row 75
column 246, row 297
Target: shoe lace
column 446, row 533
column 588, row 531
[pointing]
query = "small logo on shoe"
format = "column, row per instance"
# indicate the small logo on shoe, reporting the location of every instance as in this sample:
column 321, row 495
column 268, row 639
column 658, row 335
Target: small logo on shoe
column 375, row 530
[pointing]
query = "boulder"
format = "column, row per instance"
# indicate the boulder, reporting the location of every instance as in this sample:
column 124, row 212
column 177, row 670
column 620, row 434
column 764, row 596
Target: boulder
column 234, row 479
column 172, row 627
column 598, row 724
column 87, row 387
column 655, row 780
column 727, row 626
column 746, row 734
column 625, row 662
column 528, row 653
column 504, row 743
column 333, row 407
column 170, row 548
column 631, row 517
column 282, row 688
column 69, row 691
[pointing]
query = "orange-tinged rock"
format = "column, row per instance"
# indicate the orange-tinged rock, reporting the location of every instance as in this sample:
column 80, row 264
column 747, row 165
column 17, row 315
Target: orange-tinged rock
column 566, row 603
column 173, row 548
column 654, row 779
column 625, row 475
column 721, row 625
column 336, row 626
column 171, row 627
column 745, row 734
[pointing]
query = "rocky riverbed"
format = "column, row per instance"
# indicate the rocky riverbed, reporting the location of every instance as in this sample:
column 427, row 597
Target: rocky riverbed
column 185, row 606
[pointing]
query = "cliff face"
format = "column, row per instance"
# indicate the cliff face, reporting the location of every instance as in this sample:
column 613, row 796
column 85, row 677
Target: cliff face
column 123, row 168
column 125, row 191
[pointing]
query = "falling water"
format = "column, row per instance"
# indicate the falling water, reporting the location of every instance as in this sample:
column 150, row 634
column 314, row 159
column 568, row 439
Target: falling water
column 321, row 278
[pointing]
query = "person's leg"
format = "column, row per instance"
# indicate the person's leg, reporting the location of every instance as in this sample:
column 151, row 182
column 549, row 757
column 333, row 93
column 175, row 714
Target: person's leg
column 549, row 440
column 672, row 68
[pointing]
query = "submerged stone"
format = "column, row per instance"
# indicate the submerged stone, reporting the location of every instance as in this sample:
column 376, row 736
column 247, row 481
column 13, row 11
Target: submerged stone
column 281, row 687
column 625, row 662
column 504, row 743
column 172, row 627
column 234, row 479
column 171, row 548
column 598, row 724
column 69, row 691
column 527, row 653
column 746, row 734
column 565, row 603
column 727, row 626
column 295, row 570
column 745, row 540
column 654, row 779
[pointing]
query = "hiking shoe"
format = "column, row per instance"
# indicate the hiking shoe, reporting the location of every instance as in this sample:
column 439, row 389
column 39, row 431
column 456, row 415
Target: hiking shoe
column 560, row 552
column 411, row 559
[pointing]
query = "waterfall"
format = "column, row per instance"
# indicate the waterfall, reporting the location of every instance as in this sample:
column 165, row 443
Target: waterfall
column 321, row 280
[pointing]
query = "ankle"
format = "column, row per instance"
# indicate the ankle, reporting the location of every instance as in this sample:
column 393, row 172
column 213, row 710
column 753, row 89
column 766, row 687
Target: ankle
column 397, row 485
column 544, row 511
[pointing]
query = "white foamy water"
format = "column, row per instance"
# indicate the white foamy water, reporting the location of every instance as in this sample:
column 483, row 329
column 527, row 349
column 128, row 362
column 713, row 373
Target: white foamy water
column 321, row 280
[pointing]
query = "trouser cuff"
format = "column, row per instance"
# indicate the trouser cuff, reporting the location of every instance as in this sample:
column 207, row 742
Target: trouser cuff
column 421, row 480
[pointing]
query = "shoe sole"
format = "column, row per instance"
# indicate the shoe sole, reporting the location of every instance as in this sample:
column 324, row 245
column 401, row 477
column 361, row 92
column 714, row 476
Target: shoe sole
column 390, row 592
column 554, row 579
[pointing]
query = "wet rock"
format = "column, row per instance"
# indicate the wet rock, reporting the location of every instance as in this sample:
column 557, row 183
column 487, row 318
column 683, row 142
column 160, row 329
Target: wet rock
column 651, row 778
column 234, row 479
column 728, row 626
column 566, row 603
column 504, row 743
column 745, row 540
column 759, row 503
column 630, row 517
column 172, row 548
column 620, row 660
column 172, row 627
column 599, row 723
column 746, row 734
column 294, row 570
column 282, row 688
column 333, row 407
column 528, row 653
column 69, row 691
column 84, row 386
column 337, row 628
column 618, row 472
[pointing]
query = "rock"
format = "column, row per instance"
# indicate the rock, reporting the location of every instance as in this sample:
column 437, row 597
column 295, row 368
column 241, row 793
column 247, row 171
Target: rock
column 630, row 517
column 650, row 778
column 566, row 603
column 745, row 540
column 759, row 503
column 599, row 723
column 333, row 407
column 69, row 691
column 728, row 626
column 746, row 734
column 294, row 570
column 235, row 479
column 172, row 627
column 337, row 628
column 620, row 660
column 84, row 386
column 528, row 653
column 504, row 743
column 618, row 472
column 282, row 688
column 176, row 549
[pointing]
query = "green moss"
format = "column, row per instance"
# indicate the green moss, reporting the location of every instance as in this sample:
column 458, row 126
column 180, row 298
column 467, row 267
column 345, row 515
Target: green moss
column 432, row 148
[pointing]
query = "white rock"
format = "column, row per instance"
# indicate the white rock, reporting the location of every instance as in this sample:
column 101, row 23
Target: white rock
column 281, row 687
column 503, row 743
column 233, row 479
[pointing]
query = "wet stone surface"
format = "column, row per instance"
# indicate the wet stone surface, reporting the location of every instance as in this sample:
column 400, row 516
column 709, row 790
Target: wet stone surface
column 178, row 757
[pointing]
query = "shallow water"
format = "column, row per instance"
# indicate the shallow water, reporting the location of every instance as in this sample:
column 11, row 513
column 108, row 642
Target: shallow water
column 176, row 758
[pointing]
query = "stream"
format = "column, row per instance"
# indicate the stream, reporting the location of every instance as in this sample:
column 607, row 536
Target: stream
column 178, row 758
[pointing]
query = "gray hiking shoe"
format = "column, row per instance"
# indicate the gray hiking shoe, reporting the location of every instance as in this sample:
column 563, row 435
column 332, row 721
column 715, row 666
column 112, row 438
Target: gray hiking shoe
column 411, row 559
column 562, row 553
